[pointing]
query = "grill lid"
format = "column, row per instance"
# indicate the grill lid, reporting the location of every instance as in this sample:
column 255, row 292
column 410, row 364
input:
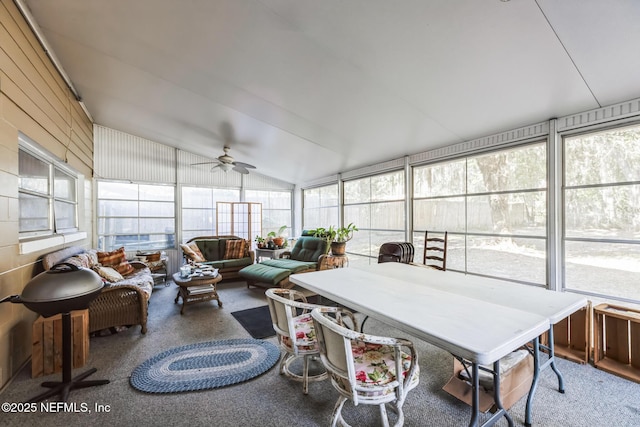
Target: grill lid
column 62, row 282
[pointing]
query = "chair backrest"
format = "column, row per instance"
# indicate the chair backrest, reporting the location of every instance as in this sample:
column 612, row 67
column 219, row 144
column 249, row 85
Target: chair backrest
column 309, row 249
column 435, row 251
column 334, row 342
column 286, row 304
column 335, row 345
column 396, row 252
column 281, row 311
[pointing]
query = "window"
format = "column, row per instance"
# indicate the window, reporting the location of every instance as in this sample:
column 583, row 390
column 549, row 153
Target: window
column 240, row 219
column 602, row 212
column 276, row 208
column 320, row 207
column 494, row 208
column 199, row 209
column 376, row 206
column 47, row 192
column 136, row 216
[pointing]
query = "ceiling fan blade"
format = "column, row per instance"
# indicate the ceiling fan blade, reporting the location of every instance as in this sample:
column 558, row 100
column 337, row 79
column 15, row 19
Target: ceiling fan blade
column 240, row 169
column 244, row 165
column 205, row 163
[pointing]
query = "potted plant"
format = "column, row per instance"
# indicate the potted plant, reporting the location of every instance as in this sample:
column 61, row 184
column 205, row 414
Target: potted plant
column 261, row 242
column 277, row 237
column 337, row 237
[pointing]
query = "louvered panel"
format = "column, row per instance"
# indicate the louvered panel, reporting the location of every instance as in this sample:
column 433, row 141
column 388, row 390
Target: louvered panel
column 331, row 179
column 600, row 115
column 173, row 263
column 374, row 169
column 118, row 155
column 540, row 130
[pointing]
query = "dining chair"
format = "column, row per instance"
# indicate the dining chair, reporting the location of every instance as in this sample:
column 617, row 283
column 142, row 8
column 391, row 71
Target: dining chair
column 364, row 368
column 435, row 251
column 402, row 252
column 396, row 252
column 291, row 317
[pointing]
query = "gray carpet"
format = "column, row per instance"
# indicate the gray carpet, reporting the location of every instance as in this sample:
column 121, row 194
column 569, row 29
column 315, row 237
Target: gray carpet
column 592, row 398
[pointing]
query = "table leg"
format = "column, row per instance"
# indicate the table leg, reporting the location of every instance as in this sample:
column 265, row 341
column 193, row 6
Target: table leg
column 552, row 361
column 537, row 368
column 475, row 397
column 534, row 383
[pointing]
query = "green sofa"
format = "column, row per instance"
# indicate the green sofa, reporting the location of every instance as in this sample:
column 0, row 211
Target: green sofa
column 306, row 255
column 213, row 249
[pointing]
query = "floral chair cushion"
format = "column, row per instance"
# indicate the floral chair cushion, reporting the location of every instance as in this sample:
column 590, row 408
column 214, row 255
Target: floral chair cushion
column 305, row 334
column 375, row 367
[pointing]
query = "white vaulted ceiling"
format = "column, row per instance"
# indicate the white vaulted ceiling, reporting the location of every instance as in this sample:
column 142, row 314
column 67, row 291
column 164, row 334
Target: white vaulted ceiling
column 308, row 88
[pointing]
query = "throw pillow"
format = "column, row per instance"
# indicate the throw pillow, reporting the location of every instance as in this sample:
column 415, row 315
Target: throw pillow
column 247, row 249
column 234, row 249
column 109, row 274
column 124, row 268
column 116, row 259
column 192, row 251
column 109, row 259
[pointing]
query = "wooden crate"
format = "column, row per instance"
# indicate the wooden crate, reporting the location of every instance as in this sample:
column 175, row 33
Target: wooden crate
column 617, row 340
column 46, row 356
column 572, row 336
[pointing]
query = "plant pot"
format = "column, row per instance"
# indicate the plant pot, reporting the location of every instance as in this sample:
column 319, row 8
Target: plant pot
column 338, row 248
column 279, row 241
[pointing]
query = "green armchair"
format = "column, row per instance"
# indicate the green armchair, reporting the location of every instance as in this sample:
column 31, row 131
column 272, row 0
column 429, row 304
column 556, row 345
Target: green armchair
column 305, row 256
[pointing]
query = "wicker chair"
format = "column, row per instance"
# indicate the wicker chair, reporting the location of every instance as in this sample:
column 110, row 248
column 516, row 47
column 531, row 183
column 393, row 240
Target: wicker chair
column 292, row 322
column 117, row 305
column 363, row 368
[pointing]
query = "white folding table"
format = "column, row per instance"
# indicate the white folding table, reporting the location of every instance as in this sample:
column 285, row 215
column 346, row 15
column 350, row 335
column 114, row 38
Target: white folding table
column 477, row 330
column 555, row 306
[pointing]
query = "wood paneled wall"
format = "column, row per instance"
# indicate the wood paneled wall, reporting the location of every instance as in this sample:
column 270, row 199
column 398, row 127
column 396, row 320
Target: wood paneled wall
column 34, row 100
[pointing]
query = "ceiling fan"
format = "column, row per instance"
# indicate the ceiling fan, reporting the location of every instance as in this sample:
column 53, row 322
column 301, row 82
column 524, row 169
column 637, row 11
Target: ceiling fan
column 227, row 163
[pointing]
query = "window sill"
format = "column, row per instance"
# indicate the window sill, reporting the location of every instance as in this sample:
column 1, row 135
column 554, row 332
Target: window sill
column 50, row 242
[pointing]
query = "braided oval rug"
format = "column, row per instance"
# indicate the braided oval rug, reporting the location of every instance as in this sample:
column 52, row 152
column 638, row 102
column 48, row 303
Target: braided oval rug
column 205, row 366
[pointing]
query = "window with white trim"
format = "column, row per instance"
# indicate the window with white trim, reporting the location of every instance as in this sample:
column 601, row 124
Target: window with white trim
column 602, row 213
column 135, row 216
column 493, row 206
column 47, row 193
column 276, row 209
column 376, row 206
column 320, row 207
column 199, row 209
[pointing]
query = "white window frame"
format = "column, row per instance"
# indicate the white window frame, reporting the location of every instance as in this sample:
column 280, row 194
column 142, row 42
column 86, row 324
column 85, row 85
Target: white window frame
column 28, row 146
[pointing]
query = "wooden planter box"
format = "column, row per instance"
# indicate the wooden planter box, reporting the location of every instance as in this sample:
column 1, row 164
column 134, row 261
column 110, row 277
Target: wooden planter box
column 46, row 356
column 617, row 340
column 572, row 336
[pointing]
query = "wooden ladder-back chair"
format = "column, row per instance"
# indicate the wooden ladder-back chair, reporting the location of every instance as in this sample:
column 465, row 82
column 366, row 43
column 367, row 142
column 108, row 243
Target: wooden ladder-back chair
column 435, row 251
column 364, row 368
column 292, row 322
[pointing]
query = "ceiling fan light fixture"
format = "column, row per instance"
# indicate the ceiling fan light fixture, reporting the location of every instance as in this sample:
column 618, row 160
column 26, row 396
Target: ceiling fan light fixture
column 226, row 167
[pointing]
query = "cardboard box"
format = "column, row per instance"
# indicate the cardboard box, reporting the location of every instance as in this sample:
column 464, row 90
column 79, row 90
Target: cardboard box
column 46, row 354
column 515, row 383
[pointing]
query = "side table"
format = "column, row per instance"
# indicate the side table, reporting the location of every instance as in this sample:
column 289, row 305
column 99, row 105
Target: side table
column 197, row 289
column 46, row 355
column 157, row 264
column 268, row 253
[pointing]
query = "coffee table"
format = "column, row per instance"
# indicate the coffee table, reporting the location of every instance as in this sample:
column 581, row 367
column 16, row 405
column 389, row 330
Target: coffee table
column 196, row 289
